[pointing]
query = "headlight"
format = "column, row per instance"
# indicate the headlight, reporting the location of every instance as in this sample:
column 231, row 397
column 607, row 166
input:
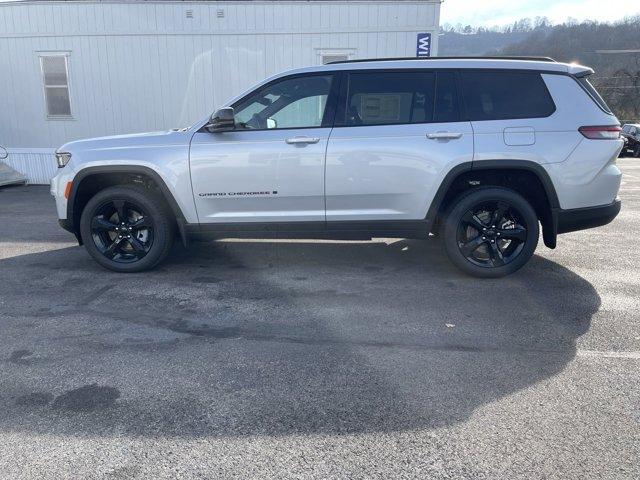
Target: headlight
column 62, row 158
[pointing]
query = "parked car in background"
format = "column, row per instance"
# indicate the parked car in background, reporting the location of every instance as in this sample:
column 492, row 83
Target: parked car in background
column 631, row 135
column 396, row 148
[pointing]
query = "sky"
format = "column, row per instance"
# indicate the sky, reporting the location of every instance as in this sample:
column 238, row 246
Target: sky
column 500, row 12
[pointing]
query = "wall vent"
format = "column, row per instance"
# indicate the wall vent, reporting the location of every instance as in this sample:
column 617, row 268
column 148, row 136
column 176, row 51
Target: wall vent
column 189, row 13
column 220, row 13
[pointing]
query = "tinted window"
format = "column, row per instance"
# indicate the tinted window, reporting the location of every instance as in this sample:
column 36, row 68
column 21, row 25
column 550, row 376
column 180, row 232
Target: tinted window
column 446, row 107
column 495, row 95
column 387, row 98
column 593, row 93
column 297, row 102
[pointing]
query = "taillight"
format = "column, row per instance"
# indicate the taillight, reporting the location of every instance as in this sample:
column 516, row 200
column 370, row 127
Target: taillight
column 611, row 132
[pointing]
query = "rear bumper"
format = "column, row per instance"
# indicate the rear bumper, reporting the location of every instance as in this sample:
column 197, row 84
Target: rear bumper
column 583, row 218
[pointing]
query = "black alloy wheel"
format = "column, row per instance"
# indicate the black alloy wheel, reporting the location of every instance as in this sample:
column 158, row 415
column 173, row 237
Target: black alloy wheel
column 490, row 232
column 122, row 231
column 127, row 228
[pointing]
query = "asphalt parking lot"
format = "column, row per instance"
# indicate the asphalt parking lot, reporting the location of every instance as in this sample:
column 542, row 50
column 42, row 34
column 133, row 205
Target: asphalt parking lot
column 306, row 359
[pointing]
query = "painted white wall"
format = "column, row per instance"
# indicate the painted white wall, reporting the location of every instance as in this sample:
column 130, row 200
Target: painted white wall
column 142, row 66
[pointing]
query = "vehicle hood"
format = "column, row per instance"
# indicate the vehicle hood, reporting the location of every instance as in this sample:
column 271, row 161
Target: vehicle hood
column 136, row 140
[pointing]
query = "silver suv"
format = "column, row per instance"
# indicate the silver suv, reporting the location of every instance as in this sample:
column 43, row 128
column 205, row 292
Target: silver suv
column 478, row 150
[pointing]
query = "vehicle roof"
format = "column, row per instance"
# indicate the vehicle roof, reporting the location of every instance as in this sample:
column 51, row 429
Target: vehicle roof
column 632, row 125
column 435, row 62
column 547, row 65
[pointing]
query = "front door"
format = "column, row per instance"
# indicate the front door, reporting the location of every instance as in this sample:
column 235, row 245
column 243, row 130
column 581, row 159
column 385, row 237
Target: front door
column 396, row 137
column 271, row 167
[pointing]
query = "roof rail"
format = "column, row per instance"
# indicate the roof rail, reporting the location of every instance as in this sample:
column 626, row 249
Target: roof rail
column 536, row 59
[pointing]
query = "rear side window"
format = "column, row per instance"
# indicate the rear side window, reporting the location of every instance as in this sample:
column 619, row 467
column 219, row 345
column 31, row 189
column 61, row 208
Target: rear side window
column 446, row 108
column 593, row 93
column 501, row 95
column 388, row 98
column 392, row 98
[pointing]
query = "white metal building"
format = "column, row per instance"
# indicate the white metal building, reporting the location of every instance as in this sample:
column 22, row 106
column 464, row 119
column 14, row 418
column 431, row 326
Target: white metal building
column 73, row 69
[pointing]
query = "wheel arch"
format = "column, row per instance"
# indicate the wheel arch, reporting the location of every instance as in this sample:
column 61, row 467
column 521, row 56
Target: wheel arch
column 526, row 177
column 110, row 175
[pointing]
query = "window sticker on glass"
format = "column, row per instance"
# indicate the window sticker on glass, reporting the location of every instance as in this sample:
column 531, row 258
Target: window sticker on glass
column 376, row 98
column 381, row 108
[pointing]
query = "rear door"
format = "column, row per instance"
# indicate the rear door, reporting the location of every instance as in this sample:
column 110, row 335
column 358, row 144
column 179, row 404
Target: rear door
column 397, row 134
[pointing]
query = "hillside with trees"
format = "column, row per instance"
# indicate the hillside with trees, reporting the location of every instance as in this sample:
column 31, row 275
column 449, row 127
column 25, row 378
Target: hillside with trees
column 602, row 46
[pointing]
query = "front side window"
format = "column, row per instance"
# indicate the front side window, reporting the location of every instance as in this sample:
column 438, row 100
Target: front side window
column 501, row 95
column 56, row 85
column 388, row 98
column 298, row 102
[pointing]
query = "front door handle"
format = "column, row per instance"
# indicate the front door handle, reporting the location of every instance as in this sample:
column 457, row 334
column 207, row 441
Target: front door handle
column 302, row 140
column 444, row 135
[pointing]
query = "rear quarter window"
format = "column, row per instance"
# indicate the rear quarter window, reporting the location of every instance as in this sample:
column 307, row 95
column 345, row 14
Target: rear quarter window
column 502, row 95
column 593, row 93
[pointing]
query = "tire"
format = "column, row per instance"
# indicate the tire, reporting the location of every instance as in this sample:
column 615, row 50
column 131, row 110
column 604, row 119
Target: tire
column 636, row 151
column 145, row 239
column 467, row 233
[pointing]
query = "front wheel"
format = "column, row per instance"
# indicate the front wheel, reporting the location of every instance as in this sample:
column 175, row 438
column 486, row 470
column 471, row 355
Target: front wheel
column 126, row 229
column 490, row 232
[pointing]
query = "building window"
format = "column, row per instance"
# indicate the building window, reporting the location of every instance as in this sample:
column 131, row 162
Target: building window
column 55, row 76
column 334, row 57
column 328, row 55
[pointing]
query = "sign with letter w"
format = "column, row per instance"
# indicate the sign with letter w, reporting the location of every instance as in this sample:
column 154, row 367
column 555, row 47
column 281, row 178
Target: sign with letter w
column 424, row 45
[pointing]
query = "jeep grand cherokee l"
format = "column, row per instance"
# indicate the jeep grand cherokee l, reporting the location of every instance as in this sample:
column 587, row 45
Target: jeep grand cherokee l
column 481, row 151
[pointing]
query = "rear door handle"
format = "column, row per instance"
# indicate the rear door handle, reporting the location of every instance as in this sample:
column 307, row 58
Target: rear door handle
column 444, row 135
column 302, row 140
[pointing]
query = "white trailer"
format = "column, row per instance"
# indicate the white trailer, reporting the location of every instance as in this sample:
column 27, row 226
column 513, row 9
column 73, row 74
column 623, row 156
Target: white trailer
column 75, row 69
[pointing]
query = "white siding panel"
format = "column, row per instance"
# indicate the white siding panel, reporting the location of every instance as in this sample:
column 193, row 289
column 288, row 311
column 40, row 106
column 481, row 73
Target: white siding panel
column 39, row 165
column 140, row 66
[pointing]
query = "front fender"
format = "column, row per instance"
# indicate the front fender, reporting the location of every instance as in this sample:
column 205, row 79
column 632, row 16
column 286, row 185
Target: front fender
column 176, row 190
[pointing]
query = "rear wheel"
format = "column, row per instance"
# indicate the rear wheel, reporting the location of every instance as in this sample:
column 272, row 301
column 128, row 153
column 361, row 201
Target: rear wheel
column 490, row 232
column 636, row 151
column 126, row 229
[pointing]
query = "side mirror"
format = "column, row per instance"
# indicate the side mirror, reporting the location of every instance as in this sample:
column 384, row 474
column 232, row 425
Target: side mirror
column 222, row 120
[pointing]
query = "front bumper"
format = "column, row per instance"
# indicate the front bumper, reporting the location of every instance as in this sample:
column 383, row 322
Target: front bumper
column 582, row 218
column 57, row 189
column 67, row 225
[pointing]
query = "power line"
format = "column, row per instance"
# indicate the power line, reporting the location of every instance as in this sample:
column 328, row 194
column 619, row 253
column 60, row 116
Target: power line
column 629, row 50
